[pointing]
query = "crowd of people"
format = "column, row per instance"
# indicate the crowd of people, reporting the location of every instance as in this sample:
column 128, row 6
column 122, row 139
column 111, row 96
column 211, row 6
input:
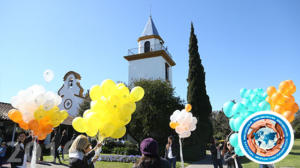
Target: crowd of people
column 82, row 153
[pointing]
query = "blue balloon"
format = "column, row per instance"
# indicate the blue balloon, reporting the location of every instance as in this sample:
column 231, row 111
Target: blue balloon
column 264, row 106
column 243, row 92
column 238, row 122
column 238, row 108
column 227, row 108
column 248, row 93
column 231, row 123
column 238, row 151
column 265, row 95
column 246, row 102
column 234, row 140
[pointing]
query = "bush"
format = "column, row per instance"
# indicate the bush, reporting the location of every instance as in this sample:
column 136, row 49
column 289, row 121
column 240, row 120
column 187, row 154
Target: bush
column 114, row 147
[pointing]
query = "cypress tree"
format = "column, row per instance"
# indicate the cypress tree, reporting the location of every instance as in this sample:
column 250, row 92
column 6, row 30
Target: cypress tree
column 198, row 97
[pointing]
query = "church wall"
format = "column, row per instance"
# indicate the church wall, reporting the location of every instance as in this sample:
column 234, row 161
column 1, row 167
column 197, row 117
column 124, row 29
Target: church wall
column 154, row 45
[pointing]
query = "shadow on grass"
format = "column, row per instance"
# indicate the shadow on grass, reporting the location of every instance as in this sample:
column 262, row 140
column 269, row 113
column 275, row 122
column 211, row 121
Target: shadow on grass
column 245, row 160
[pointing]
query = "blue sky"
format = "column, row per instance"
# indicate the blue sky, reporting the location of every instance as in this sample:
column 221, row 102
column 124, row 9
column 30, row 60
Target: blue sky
column 242, row 44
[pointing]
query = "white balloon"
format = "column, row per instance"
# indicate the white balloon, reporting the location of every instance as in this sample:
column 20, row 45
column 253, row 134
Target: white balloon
column 48, row 75
column 48, row 105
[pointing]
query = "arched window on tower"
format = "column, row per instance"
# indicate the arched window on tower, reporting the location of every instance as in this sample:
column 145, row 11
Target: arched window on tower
column 147, row 46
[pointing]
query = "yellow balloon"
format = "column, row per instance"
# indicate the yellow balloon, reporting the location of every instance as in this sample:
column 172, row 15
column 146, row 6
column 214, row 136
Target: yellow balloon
column 91, row 132
column 39, row 113
column 95, row 92
column 79, row 124
column 119, row 133
column 107, row 129
column 137, row 93
column 123, row 93
column 64, row 114
column 108, row 87
column 86, row 113
column 92, row 120
column 120, row 85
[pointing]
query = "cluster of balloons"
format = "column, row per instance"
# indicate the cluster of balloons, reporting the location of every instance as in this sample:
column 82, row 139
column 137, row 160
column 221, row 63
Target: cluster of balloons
column 183, row 122
column 36, row 109
column 282, row 101
column 253, row 100
column 111, row 108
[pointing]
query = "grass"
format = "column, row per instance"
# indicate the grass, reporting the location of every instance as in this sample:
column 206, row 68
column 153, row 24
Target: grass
column 292, row 160
column 102, row 164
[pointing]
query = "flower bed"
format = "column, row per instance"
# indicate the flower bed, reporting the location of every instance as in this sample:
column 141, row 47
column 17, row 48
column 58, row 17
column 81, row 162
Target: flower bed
column 119, row 158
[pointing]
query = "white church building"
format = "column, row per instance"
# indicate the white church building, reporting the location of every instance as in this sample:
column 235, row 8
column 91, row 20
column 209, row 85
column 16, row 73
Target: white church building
column 151, row 60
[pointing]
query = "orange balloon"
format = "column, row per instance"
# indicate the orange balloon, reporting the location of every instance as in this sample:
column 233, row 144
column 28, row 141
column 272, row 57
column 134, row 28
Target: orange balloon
column 188, row 107
column 271, row 90
column 173, row 125
column 279, row 109
column 295, row 108
column 289, row 115
column 277, row 98
column 33, row 125
column 15, row 115
column 23, row 125
column 287, row 87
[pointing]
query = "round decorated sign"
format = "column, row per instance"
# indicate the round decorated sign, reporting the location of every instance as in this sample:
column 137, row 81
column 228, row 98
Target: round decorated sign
column 68, row 104
column 266, row 137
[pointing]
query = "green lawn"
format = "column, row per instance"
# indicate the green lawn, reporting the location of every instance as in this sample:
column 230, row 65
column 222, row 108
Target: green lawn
column 292, row 160
column 101, row 164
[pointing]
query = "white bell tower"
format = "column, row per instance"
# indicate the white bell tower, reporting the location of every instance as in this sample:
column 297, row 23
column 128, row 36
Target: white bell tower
column 151, row 60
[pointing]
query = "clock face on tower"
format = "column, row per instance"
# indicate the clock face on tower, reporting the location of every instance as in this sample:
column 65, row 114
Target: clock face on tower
column 68, row 104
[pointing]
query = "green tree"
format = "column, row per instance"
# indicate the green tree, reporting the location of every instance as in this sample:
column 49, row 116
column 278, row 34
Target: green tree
column 84, row 105
column 197, row 97
column 220, row 125
column 152, row 115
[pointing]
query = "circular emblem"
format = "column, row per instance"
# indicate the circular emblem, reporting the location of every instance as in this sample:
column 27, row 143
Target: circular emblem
column 266, row 137
column 68, row 104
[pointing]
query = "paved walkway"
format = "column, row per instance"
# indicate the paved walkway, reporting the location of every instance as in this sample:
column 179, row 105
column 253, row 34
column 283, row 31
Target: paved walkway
column 42, row 165
column 204, row 163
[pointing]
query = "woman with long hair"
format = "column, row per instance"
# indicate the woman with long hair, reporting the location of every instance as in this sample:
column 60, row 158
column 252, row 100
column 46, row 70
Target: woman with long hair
column 81, row 153
column 230, row 158
column 150, row 157
column 171, row 151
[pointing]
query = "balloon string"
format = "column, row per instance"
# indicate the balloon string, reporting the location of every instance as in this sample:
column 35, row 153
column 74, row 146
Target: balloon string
column 181, row 155
column 33, row 159
column 235, row 162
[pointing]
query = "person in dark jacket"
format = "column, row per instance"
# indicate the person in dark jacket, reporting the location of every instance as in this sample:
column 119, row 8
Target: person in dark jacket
column 55, row 144
column 216, row 154
column 171, row 151
column 150, row 157
column 230, row 157
column 41, row 147
column 18, row 157
column 63, row 141
column 81, row 154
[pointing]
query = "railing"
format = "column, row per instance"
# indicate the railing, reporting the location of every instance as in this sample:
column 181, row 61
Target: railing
column 151, row 48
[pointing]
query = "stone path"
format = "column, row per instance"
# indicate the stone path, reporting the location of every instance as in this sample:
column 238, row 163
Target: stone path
column 41, row 165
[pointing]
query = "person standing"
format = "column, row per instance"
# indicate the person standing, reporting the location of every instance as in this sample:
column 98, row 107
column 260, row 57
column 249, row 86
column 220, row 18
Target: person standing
column 230, row 157
column 55, row 144
column 216, row 154
column 81, row 154
column 171, row 151
column 150, row 157
column 18, row 158
column 63, row 141
column 2, row 153
column 41, row 147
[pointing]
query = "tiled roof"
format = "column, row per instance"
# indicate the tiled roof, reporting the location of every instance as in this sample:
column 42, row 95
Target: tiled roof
column 4, row 109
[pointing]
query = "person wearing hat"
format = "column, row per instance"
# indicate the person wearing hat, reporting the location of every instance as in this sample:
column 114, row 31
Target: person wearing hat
column 150, row 157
